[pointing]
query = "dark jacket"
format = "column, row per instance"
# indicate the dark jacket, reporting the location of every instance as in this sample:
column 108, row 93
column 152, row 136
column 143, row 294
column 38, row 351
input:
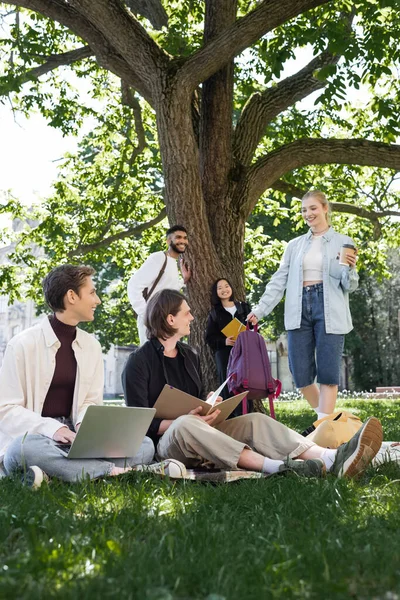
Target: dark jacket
column 144, row 377
column 218, row 318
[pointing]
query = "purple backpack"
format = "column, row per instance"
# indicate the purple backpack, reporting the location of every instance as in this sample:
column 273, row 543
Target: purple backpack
column 249, row 369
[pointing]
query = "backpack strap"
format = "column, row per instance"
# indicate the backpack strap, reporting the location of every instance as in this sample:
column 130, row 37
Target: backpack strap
column 240, row 350
column 148, row 293
column 230, row 370
column 266, row 363
column 245, row 357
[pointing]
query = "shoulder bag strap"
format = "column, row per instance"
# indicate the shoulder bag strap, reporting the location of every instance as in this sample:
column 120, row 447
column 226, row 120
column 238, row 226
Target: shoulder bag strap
column 161, row 273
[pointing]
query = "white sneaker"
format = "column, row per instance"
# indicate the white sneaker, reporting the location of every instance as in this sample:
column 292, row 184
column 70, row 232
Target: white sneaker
column 170, row 467
column 34, row 477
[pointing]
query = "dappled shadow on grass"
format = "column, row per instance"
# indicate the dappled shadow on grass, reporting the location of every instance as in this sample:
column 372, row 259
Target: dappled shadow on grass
column 279, row 538
column 143, row 537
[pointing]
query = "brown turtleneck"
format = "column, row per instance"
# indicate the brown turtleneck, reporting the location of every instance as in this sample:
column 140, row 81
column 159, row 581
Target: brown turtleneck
column 58, row 402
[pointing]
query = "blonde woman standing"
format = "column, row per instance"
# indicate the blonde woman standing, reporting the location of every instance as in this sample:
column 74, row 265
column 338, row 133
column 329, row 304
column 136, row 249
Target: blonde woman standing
column 317, row 314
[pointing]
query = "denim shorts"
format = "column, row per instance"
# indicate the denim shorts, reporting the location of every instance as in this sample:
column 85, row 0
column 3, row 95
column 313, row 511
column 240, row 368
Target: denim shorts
column 312, row 351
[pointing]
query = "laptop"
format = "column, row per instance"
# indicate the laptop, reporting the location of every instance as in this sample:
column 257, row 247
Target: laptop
column 110, row 432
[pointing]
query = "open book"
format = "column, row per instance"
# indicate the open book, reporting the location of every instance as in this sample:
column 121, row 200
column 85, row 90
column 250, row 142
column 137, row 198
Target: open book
column 233, row 328
column 173, row 403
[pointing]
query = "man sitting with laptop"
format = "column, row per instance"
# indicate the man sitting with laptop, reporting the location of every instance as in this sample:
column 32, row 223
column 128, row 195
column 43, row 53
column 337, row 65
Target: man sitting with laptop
column 51, row 374
column 253, row 441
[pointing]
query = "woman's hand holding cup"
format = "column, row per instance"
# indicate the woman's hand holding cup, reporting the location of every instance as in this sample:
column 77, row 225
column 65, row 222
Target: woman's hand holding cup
column 348, row 255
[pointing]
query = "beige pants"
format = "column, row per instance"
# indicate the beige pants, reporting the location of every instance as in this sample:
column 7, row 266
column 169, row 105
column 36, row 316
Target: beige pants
column 192, row 441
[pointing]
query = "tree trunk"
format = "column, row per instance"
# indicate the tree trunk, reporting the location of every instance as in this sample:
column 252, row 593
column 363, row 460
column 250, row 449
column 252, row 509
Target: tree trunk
column 216, row 116
column 185, row 205
column 201, row 174
column 216, row 159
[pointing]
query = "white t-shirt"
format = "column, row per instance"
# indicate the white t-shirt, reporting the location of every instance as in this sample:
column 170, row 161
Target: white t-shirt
column 231, row 309
column 312, row 262
column 145, row 276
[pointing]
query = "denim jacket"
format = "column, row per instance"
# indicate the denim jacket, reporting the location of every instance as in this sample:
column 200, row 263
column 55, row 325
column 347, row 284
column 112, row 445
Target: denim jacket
column 338, row 282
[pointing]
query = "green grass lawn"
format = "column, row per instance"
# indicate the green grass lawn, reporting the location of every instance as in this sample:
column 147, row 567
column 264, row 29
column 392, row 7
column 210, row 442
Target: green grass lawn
column 141, row 537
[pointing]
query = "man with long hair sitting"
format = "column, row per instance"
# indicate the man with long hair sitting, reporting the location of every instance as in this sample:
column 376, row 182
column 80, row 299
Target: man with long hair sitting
column 252, row 442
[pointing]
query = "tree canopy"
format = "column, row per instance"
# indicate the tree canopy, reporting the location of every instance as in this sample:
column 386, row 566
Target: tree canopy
column 205, row 112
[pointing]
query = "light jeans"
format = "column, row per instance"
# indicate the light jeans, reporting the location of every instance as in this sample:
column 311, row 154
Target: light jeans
column 39, row 450
column 192, row 441
column 312, row 351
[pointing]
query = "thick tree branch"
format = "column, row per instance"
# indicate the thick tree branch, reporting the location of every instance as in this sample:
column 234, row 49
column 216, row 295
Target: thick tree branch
column 216, row 115
column 364, row 213
column 242, row 34
column 124, row 33
column 263, row 107
column 134, row 231
column 57, row 60
column 309, row 151
column 106, row 54
column 152, row 10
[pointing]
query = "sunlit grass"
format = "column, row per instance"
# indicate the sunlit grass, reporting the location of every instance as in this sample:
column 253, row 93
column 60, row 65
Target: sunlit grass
column 143, row 537
column 298, row 414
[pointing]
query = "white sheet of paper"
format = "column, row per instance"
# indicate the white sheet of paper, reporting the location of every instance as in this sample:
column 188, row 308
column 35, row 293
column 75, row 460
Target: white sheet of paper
column 212, row 399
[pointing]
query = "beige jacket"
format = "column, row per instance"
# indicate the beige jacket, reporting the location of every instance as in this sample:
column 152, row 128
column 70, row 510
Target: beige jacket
column 26, row 374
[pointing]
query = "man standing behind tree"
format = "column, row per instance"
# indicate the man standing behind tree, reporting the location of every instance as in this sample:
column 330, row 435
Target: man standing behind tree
column 159, row 272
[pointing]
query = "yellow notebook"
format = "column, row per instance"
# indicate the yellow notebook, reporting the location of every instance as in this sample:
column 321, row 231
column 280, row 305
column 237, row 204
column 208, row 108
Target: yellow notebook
column 233, row 328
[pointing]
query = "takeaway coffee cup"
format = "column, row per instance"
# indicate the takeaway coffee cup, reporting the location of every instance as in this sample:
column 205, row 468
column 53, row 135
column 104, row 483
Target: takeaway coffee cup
column 345, row 251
